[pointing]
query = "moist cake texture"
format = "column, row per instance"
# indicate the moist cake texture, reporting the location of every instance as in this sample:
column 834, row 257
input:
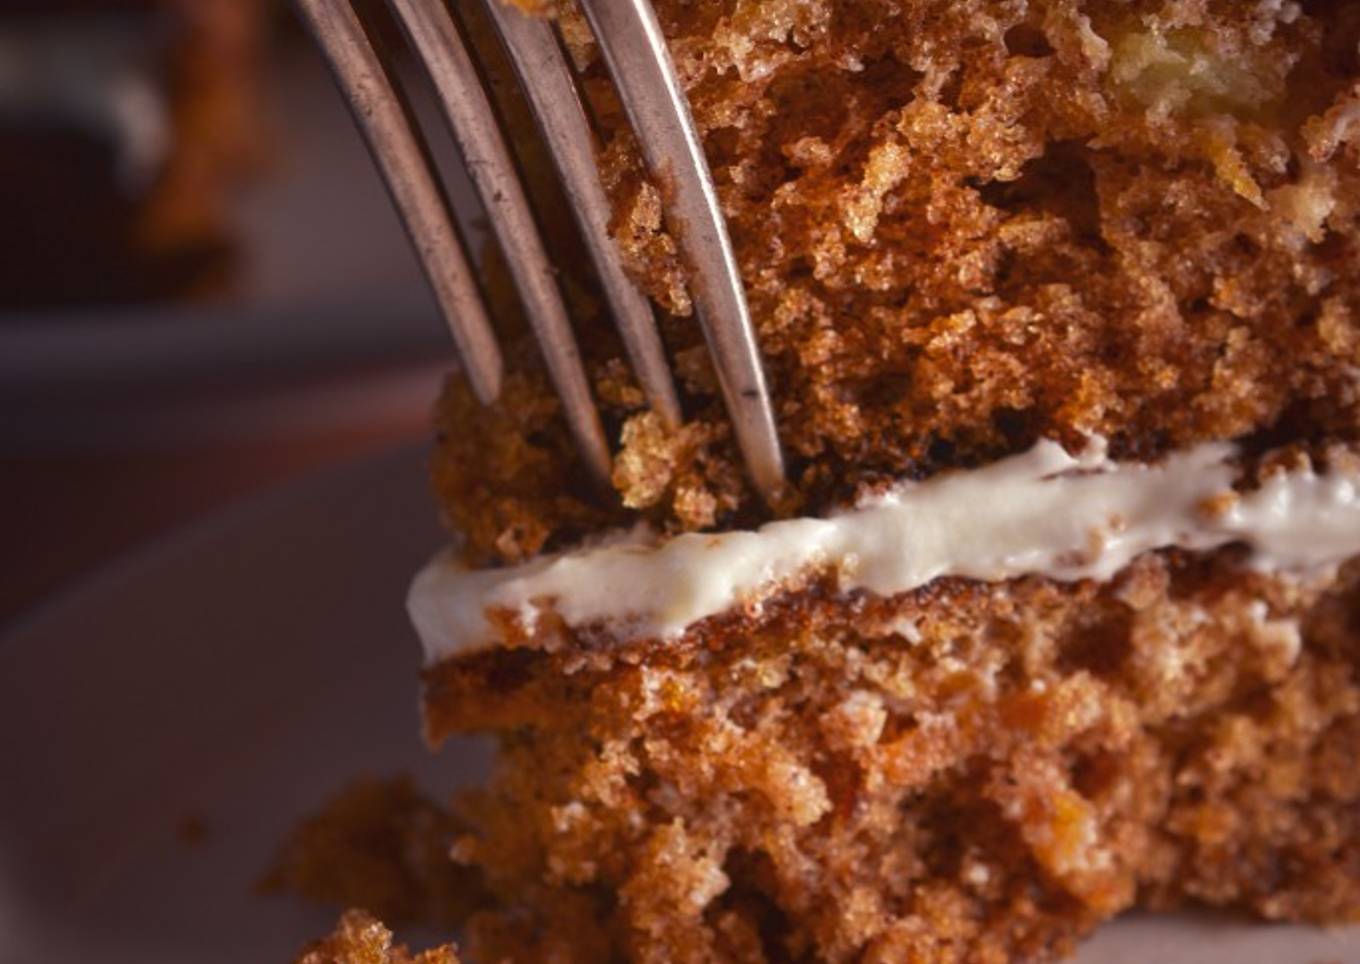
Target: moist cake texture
column 962, row 227
column 976, row 768
column 971, row 772
column 974, row 235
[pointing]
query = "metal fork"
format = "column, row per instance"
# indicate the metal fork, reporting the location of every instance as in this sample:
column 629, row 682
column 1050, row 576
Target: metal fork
column 639, row 63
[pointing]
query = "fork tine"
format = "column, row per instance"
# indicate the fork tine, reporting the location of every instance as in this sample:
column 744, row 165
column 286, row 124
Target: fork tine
column 548, row 85
column 637, row 57
column 436, row 39
column 416, row 194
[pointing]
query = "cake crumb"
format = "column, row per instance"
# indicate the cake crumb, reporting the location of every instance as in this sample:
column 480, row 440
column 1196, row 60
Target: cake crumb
column 360, row 938
column 379, row 844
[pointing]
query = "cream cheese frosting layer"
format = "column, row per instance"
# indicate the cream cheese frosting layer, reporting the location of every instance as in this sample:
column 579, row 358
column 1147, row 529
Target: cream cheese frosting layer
column 1045, row 512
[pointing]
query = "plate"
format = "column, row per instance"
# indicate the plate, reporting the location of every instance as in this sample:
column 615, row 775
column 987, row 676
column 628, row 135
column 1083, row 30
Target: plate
column 239, row 673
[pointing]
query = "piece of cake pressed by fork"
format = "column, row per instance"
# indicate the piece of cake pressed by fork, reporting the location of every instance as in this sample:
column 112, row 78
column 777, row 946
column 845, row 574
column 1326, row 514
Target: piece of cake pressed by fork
column 1060, row 612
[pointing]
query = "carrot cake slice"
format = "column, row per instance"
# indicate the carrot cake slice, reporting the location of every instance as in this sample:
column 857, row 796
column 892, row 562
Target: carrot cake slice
column 1059, row 614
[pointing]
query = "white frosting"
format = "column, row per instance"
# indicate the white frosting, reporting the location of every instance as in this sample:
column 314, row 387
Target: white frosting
column 1045, row 512
column 94, row 72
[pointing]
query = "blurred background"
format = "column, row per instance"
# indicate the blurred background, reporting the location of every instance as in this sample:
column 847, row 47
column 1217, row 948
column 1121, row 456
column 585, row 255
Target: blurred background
column 203, row 291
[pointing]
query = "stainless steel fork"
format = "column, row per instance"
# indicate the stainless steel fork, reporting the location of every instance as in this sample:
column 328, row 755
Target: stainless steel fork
column 639, row 63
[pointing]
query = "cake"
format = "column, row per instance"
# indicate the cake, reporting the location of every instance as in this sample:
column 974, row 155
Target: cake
column 382, row 846
column 361, row 938
column 1058, row 614
column 124, row 126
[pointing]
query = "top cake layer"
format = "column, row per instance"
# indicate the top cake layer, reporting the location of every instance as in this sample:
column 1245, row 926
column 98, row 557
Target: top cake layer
column 964, row 227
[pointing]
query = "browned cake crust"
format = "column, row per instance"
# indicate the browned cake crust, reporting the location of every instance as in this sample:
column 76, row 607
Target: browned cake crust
column 963, row 226
column 969, row 772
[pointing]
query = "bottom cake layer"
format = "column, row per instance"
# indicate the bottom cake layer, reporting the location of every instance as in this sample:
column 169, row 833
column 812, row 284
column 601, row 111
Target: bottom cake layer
column 968, row 772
